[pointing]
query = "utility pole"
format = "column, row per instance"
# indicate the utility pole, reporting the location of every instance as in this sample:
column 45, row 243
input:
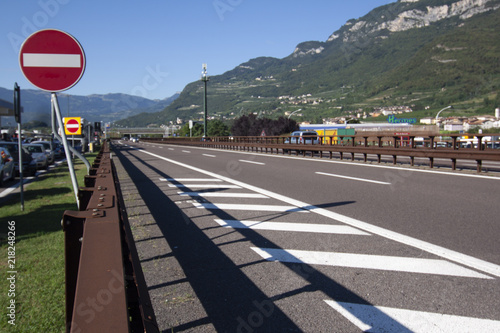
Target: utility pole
column 204, row 78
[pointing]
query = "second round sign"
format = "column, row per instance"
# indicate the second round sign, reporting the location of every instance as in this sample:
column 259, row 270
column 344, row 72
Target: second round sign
column 72, row 126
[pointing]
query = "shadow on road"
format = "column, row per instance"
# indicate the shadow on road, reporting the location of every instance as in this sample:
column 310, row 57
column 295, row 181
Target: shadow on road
column 230, row 299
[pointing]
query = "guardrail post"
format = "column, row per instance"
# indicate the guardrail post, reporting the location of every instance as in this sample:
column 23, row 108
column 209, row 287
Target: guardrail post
column 455, row 147
column 432, row 142
column 480, row 142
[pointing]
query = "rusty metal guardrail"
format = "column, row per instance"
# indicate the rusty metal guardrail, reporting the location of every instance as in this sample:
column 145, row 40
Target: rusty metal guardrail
column 105, row 286
column 364, row 144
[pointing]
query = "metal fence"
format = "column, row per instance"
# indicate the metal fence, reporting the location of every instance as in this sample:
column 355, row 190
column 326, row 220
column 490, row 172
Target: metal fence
column 105, row 286
column 453, row 147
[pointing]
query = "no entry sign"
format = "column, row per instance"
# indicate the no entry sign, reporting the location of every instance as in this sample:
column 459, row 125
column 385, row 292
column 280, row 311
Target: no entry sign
column 52, row 60
column 72, row 126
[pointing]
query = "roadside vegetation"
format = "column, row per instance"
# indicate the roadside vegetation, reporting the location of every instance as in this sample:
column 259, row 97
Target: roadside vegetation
column 39, row 251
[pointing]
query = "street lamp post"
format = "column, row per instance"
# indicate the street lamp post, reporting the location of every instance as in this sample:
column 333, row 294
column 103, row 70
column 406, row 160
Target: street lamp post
column 294, row 112
column 204, row 78
column 437, row 116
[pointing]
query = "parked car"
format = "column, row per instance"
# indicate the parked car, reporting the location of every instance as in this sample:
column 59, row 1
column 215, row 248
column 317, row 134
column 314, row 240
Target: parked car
column 58, row 150
column 442, row 144
column 37, row 151
column 49, row 150
column 6, row 166
column 29, row 164
column 302, row 137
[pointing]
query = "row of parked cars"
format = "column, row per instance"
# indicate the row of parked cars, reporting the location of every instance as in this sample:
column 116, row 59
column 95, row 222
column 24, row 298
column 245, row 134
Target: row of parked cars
column 35, row 155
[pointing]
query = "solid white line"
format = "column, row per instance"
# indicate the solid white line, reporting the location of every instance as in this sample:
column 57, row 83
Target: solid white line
column 353, row 178
column 442, row 252
column 203, row 186
column 208, row 155
column 369, row 261
column 223, row 195
column 260, row 208
column 370, row 318
column 288, row 226
column 190, row 180
column 10, row 189
column 51, row 60
column 252, row 162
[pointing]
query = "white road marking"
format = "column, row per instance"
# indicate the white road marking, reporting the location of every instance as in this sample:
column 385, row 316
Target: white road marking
column 203, row 186
column 190, row 180
column 186, row 151
column 252, row 162
column 370, row 318
column 10, row 189
column 260, row 208
column 223, row 195
column 353, row 178
column 288, row 226
column 442, row 252
column 208, row 155
column 369, row 261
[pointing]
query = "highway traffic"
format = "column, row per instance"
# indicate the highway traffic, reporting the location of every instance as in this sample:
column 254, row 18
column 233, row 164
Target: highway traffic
column 242, row 242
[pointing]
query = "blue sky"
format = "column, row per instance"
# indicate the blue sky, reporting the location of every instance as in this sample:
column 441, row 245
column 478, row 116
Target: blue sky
column 153, row 48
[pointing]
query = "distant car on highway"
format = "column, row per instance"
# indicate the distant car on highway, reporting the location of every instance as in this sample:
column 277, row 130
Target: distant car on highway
column 37, row 151
column 134, row 139
column 302, row 137
column 7, row 171
column 49, row 150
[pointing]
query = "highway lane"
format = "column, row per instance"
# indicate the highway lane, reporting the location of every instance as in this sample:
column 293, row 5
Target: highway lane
column 319, row 246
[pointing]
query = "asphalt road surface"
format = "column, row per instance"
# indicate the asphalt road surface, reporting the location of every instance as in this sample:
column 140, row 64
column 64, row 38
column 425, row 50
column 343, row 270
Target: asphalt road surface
column 240, row 242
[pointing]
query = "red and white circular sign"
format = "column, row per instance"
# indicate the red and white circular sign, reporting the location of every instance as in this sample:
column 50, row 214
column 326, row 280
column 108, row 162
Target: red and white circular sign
column 52, row 60
column 72, row 126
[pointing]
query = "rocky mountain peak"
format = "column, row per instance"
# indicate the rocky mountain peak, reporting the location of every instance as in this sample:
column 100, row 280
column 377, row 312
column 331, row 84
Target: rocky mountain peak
column 410, row 14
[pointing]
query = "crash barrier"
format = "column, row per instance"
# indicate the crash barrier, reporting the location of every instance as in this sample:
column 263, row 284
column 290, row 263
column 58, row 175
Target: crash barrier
column 454, row 147
column 105, row 286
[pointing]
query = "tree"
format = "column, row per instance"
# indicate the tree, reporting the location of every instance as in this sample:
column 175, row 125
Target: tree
column 196, row 131
column 252, row 126
column 217, row 128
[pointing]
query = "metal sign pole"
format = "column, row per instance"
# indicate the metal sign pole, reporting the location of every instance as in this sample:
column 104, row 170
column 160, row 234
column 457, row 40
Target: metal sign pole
column 17, row 113
column 57, row 111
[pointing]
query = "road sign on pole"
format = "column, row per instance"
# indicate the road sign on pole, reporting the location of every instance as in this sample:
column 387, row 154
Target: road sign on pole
column 73, row 125
column 52, row 60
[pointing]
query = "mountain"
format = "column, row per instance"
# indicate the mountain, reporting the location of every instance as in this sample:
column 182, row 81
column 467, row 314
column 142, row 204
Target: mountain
column 106, row 108
column 426, row 54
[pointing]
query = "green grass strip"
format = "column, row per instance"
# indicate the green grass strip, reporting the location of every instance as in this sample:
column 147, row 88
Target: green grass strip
column 39, row 252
